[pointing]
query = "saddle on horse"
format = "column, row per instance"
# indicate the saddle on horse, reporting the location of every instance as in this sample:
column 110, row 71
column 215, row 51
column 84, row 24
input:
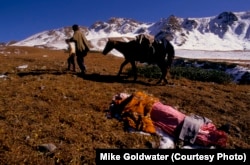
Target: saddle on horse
column 145, row 41
column 149, row 46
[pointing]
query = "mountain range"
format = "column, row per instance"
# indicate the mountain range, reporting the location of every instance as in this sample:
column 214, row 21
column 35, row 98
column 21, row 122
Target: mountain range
column 226, row 31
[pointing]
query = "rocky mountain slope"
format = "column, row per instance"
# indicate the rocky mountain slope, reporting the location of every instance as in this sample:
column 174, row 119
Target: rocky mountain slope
column 226, row 31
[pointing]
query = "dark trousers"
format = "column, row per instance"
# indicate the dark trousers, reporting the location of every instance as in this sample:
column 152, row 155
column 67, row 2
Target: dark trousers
column 80, row 62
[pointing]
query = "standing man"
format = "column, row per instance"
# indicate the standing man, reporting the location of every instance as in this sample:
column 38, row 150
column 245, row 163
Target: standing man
column 82, row 47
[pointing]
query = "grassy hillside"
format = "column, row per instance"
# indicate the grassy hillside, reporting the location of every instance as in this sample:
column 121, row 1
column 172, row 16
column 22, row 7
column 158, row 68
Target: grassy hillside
column 44, row 103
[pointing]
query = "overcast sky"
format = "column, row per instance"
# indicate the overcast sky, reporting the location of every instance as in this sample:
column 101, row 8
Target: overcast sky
column 23, row 18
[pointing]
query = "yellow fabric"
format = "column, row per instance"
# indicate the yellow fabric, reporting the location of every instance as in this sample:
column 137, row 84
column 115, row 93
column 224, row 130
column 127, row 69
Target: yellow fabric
column 136, row 111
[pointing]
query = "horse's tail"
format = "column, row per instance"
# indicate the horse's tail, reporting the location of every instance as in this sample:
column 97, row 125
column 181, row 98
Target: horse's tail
column 167, row 46
column 171, row 54
column 170, row 49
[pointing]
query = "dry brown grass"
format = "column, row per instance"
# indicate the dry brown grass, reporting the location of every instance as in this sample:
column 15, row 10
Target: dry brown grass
column 45, row 104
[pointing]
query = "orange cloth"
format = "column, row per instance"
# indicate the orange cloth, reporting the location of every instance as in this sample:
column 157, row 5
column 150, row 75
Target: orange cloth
column 136, row 111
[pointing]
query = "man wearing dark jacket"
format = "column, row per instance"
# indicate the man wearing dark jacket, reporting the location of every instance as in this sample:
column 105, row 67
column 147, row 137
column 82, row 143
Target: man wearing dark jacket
column 82, row 47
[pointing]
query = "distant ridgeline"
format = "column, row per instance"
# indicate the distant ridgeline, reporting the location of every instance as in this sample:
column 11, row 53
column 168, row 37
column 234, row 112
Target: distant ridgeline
column 227, row 31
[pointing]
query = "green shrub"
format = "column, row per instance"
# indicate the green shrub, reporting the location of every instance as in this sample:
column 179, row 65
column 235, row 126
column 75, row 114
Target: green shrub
column 192, row 73
column 199, row 74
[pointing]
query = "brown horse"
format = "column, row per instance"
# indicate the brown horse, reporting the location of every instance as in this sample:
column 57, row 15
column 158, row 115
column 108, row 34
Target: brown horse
column 138, row 51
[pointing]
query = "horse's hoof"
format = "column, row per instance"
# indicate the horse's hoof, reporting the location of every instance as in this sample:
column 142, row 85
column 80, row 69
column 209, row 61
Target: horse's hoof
column 162, row 83
column 158, row 82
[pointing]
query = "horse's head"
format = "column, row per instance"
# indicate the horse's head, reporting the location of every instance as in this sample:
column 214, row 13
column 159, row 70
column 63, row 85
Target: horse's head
column 108, row 47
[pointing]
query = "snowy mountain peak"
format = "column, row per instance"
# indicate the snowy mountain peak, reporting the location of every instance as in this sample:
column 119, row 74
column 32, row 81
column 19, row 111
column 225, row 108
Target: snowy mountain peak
column 226, row 31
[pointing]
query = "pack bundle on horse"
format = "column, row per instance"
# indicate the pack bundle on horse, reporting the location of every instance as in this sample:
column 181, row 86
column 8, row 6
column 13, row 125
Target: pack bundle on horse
column 142, row 50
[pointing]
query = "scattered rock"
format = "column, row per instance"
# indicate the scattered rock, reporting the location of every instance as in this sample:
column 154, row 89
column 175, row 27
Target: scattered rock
column 47, row 147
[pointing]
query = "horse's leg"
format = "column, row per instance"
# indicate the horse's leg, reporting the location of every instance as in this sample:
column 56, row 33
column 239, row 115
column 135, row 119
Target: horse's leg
column 134, row 68
column 164, row 71
column 121, row 67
